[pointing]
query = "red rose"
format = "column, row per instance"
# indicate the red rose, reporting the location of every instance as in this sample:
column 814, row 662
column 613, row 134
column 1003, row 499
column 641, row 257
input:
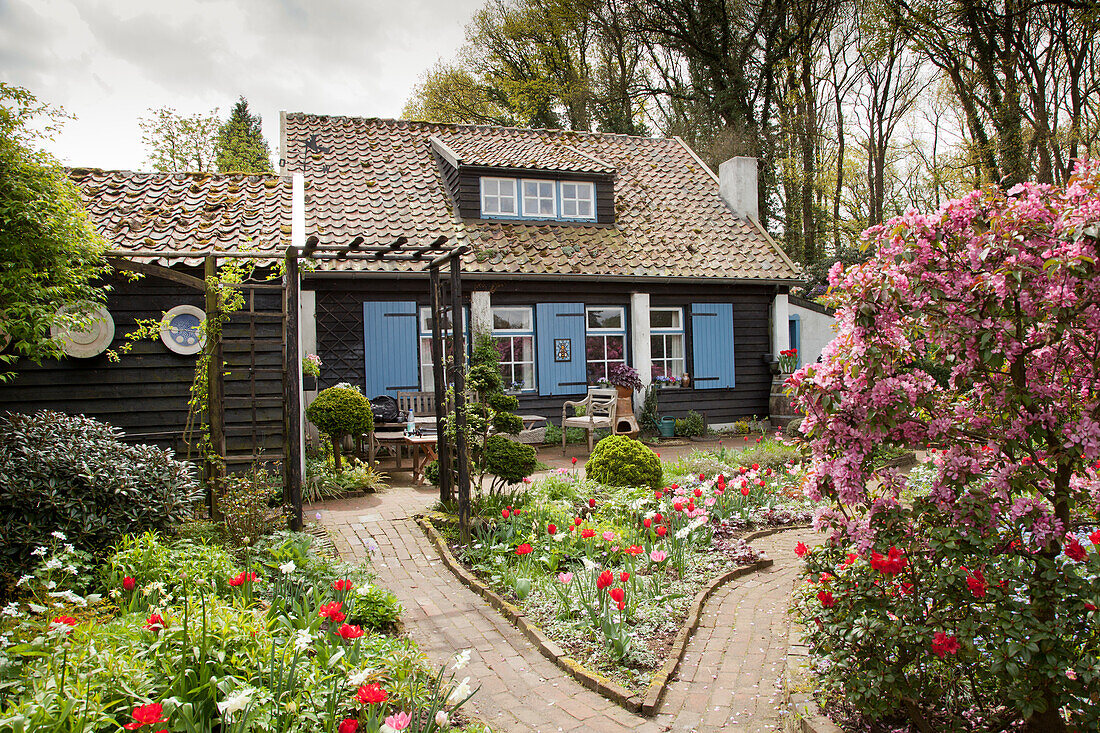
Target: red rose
column 146, row 715
column 826, row 598
column 349, row 632
column 976, row 582
column 524, row 549
column 605, row 579
column 551, row 529
column 800, row 549
column 128, row 583
column 348, row 725
column 371, row 694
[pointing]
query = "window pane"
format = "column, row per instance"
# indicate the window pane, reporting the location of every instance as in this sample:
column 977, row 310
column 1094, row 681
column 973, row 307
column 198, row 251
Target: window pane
column 675, row 346
column 605, row 318
column 664, row 318
column 507, row 204
column 504, row 348
column 526, row 374
column 584, row 209
column 524, row 348
column 657, row 346
column 569, row 207
column 513, row 319
column 615, row 350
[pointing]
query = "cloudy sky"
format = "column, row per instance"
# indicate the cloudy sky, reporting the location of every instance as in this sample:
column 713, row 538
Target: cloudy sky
column 108, row 61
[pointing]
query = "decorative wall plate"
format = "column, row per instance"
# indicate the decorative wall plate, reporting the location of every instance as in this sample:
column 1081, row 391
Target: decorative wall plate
column 92, row 340
column 179, row 329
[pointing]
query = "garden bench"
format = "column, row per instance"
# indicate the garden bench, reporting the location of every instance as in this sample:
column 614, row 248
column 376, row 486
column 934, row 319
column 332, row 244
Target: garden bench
column 599, row 408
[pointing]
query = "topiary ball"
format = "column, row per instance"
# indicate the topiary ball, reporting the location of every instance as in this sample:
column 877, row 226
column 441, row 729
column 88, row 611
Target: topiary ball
column 509, row 460
column 340, row 411
column 621, row 461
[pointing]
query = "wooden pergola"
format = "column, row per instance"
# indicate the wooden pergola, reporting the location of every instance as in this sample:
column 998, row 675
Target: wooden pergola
column 434, row 256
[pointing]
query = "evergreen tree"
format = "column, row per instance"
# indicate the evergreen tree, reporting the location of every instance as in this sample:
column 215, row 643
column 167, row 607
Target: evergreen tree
column 241, row 147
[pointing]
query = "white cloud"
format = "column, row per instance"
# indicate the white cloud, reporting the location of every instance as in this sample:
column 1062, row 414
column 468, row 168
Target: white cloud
column 109, row 61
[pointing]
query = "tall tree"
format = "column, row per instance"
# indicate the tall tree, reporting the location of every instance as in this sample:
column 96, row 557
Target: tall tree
column 176, row 143
column 50, row 256
column 241, row 147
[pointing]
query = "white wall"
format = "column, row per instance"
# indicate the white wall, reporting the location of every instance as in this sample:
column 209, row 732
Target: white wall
column 817, row 329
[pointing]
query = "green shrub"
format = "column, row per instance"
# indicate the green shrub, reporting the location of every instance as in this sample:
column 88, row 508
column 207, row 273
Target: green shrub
column 691, row 426
column 375, row 608
column 340, row 411
column 509, row 461
column 767, row 454
column 74, row 475
column 573, row 435
column 621, row 461
column 431, row 472
column 245, row 504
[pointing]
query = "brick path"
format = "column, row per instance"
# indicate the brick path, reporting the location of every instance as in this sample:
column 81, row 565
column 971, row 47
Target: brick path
column 726, row 682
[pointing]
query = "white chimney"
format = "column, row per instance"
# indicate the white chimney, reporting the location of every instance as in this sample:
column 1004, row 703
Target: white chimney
column 737, row 187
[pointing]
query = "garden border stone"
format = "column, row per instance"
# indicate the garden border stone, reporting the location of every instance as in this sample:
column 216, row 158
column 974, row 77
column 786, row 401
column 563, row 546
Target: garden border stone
column 646, row 704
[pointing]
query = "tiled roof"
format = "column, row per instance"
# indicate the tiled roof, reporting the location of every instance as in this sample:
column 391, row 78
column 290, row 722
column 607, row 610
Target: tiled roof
column 379, row 179
column 175, row 212
column 499, row 147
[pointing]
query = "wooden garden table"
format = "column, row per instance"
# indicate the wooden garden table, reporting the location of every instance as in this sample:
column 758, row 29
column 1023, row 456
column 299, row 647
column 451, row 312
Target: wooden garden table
column 422, row 452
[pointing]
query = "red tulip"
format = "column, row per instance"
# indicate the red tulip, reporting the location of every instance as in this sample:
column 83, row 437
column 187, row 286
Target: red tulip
column 128, row 583
column 551, row 529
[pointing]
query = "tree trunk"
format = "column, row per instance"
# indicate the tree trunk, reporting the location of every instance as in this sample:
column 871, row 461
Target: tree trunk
column 336, row 453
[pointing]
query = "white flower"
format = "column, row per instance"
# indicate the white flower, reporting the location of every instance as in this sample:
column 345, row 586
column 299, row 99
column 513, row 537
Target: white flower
column 303, row 640
column 441, row 718
column 364, row 590
column 361, row 677
column 235, row 703
column 53, row 563
column 114, row 593
column 51, row 585
column 69, row 548
column 71, row 569
column 288, row 568
column 684, row 532
column 588, row 564
column 36, row 608
column 24, row 579
column 39, row 551
column 12, row 609
column 460, row 692
column 59, row 535
column 461, row 660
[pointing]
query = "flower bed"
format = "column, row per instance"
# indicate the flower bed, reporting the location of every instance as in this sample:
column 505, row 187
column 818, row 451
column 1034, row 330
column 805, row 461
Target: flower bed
column 184, row 637
column 609, row 574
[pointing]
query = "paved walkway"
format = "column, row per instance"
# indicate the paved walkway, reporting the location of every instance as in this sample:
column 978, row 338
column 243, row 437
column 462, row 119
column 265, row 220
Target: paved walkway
column 726, row 682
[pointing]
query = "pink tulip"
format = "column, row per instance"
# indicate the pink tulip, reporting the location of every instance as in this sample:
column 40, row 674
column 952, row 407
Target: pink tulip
column 658, row 555
column 565, row 578
column 398, row 721
column 608, row 536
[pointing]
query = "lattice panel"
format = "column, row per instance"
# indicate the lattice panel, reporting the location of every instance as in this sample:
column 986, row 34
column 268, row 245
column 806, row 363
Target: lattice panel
column 340, row 338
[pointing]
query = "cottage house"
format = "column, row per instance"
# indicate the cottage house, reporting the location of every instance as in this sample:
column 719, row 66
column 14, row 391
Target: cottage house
column 586, row 249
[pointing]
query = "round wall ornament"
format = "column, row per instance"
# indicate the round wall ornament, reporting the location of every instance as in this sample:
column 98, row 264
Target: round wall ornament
column 179, row 329
column 92, row 339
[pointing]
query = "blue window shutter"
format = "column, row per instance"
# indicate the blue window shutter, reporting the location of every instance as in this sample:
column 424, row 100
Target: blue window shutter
column 712, row 345
column 389, row 341
column 796, row 335
column 555, row 321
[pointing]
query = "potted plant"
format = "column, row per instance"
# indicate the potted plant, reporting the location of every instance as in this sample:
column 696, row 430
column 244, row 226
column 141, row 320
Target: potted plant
column 781, row 409
column 624, row 378
column 311, row 370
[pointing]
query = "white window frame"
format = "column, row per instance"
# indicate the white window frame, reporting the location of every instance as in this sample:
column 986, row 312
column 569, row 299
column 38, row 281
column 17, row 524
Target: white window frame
column 604, row 333
column 539, row 198
column 498, row 196
column 664, row 333
column 518, row 333
column 424, row 331
column 576, row 200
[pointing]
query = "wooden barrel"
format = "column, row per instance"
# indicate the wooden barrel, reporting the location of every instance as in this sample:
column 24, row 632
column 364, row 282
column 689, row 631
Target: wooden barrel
column 780, row 410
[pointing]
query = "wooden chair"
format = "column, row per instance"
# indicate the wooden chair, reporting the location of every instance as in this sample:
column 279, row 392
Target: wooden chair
column 599, row 412
column 422, row 404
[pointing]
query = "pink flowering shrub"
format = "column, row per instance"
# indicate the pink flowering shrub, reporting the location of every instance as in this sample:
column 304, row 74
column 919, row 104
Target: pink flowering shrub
column 999, row 291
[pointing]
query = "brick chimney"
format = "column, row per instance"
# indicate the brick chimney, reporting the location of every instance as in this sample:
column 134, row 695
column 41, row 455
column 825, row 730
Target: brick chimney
column 737, row 187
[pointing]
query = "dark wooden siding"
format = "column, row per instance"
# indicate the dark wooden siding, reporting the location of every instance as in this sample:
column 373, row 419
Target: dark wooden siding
column 464, row 186
column 340, row 332
column 146, row 392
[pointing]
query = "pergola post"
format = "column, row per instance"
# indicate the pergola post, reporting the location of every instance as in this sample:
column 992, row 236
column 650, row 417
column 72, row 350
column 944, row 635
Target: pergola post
column 446, row 480
column 215, row 387
column 459, row 371
column 292, row 463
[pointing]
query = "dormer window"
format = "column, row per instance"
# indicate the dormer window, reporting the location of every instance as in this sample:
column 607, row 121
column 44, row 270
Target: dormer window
column 578, row 200
column 533, row 198
column 498, row 197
